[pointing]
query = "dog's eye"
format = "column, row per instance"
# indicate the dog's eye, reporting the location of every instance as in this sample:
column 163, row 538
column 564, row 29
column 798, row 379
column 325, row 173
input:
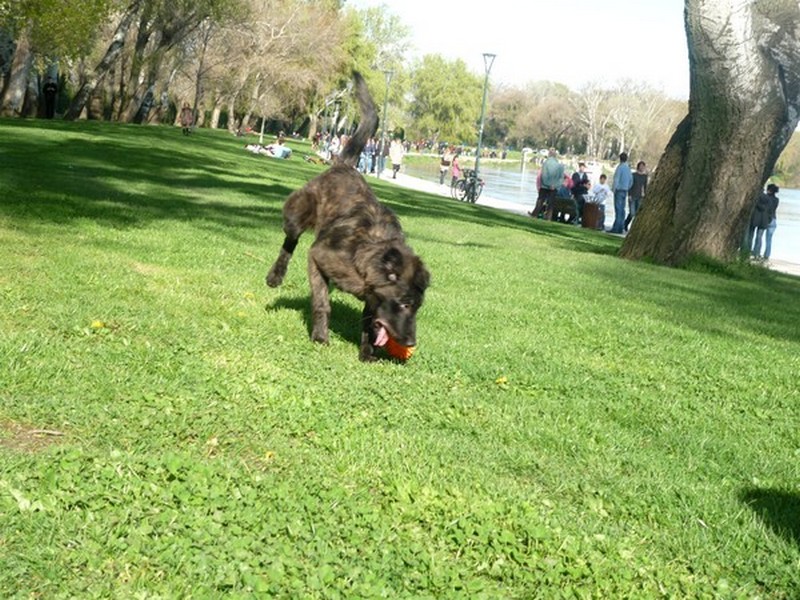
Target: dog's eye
column 392, row 277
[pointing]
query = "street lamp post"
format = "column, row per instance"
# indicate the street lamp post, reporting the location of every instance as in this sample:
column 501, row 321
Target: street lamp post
column 488, row 61
column 388, row 75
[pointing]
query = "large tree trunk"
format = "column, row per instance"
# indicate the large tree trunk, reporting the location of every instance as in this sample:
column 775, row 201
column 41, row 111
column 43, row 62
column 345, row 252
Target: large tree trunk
column 30, row 108
column 112, row 54
column 215, row 114
column 313, row 124
column 6, row 54
column 139, row 81
column 232, row 124
column 14, row 96
column 744, row 104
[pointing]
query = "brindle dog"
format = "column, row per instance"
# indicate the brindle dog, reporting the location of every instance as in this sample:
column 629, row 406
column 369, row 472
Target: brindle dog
column 360, row 247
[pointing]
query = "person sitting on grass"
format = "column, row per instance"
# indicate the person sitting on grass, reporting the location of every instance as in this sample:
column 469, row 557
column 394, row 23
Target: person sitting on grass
column 276, row 150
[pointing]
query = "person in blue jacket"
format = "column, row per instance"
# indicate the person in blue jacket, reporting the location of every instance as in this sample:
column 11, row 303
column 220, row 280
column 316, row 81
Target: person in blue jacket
column 623, row 180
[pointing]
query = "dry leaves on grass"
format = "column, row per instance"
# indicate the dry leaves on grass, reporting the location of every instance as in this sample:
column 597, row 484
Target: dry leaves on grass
column 21, row 438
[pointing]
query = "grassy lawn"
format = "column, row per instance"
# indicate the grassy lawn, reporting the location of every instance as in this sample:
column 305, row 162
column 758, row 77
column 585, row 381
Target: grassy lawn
column 572, row 425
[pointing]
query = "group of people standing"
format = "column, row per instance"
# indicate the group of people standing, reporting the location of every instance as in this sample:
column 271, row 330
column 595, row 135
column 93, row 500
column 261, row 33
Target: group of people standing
column 563, row 197
column 629, row 187
column 373, row 156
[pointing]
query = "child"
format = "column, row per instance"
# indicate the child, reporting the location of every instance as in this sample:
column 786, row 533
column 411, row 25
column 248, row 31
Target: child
column 599, row 194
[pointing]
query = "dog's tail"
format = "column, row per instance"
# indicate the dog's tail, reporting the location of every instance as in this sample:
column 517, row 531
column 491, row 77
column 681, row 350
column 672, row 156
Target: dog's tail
column 366, row 127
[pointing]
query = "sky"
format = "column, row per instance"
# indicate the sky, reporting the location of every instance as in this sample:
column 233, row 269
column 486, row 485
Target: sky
column 570, row 41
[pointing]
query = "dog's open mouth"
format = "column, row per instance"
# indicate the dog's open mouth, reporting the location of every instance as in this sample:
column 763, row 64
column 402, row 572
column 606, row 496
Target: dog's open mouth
column 381, row 334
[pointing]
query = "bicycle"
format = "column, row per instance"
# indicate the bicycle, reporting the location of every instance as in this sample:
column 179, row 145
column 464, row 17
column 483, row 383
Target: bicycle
column 468, row 188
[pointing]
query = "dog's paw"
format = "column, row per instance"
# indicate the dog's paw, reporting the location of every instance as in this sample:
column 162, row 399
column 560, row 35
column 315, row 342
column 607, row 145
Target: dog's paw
column 275, row 277
column 319, row 337
column 367, row 355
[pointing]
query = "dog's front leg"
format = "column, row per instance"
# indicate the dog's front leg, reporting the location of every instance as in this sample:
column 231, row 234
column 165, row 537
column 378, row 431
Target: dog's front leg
column 367, row 349
column 278, row 270
column 320, row 301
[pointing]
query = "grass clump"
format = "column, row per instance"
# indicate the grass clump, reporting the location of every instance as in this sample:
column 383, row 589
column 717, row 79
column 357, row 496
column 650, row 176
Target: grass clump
column 572, row 424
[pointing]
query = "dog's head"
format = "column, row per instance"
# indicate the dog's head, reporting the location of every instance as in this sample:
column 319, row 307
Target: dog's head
column 397, row 292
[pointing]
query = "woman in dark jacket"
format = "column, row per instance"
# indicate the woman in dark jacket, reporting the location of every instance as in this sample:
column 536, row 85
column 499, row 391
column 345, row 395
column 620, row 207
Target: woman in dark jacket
column 764, row 215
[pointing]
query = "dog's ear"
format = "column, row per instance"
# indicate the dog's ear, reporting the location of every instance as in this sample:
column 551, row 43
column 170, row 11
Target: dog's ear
column 422, row 278
column 392, row 263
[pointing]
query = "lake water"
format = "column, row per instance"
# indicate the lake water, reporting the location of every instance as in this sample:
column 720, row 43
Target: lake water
column 518, row 186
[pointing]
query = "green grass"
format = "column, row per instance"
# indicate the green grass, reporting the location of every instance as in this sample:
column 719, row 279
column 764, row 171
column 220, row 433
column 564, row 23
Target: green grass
column 572, row 425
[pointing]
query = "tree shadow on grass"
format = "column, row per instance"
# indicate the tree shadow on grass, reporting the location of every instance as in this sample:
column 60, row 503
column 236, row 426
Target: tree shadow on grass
column 778, row 509
column 129, row 176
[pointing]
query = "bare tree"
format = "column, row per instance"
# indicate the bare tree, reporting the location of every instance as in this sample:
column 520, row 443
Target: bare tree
column 274, row 59
column 591, row 107
column 622, row 108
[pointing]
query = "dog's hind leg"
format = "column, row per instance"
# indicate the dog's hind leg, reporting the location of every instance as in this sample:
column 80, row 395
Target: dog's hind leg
column 320, row 300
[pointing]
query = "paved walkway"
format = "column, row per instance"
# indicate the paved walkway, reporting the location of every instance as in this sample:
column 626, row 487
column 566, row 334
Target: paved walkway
column 432, row 187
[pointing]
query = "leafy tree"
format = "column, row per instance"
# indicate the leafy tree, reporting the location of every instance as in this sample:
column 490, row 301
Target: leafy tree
column 447, row 100
column 56, row 29
column 279, row 60
column 548, row 118
column 160, row 26
column 109, row 59
column 788, row 167
column 45, row 30
column 744, row 105
column 507, row 104
column 376, row 44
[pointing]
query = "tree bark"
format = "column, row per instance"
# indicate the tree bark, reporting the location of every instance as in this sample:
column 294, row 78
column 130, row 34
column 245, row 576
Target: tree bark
column 21, row 63
column 112, row 54
column 138, row 82
column 744, row 104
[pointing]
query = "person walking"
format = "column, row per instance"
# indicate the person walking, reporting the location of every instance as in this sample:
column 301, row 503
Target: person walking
column 638, row 190
column 623, row 180
column 396, row 153
column 187, row 118
column 50, row 91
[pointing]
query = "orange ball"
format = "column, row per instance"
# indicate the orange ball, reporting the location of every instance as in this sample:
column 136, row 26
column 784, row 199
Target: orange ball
column 399, row 351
